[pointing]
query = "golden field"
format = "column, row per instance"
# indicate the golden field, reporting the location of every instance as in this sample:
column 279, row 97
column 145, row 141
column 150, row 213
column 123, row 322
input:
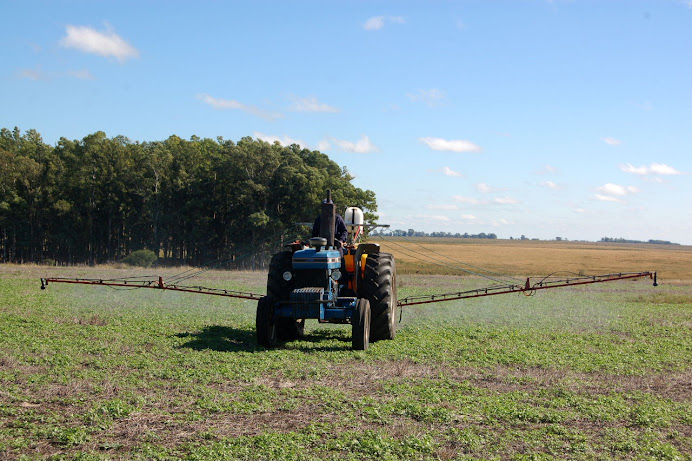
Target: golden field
column 537, row 258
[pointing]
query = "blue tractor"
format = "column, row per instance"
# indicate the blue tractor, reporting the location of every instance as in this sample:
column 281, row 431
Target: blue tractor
column 354, row 284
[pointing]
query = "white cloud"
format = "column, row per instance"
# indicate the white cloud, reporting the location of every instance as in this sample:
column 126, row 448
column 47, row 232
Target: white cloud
column 33, row 74
column 468, row 200
column 495, row 201
column 283, row 140
column 447, row 171
column 614, row 192
column 662, row 169
column 452, row 145
column 442, row 207
column 82, row 74
column 505, row 200
column 612, row 141
column 323, row 145
column 374, row 23
column 89, row 40
column 311, row 104
column 222, row 104
column 378, row 22
column 653, row 169
column 435, row 217
column 641, row 170
column 550, row 185
column 607, row 198
column 430, row 97
column 617, row 190
column 39, row 74
column 362, row 146
column 468, row 217
column 484, row 188
column 427, row 218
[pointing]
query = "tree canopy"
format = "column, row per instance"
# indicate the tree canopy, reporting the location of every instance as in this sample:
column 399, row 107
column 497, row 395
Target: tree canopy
column 191, row 201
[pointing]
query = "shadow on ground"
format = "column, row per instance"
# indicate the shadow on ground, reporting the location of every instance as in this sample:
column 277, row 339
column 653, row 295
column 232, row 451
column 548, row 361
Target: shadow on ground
column 229, row 339
column 220, row 338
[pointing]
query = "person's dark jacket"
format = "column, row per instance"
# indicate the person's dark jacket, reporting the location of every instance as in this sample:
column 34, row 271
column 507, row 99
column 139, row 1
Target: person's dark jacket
column 340, row 232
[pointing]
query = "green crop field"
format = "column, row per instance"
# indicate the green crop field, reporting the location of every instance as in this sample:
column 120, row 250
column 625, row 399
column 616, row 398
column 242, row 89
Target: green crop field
column 595, row 372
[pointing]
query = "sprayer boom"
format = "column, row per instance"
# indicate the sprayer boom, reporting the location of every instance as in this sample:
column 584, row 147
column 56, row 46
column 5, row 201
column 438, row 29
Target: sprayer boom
column 156, row 284
column 528, row 288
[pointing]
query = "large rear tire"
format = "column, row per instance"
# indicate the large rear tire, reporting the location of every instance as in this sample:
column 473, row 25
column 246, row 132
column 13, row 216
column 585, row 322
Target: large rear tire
column 361, row 325
column 265, row 325
column 379, row 287
column 287, row 329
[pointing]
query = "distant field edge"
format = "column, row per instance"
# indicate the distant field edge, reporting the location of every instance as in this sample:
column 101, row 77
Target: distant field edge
column 441, row 255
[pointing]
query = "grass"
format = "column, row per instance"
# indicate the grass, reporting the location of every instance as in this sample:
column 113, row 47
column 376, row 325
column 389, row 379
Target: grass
column 594, row 372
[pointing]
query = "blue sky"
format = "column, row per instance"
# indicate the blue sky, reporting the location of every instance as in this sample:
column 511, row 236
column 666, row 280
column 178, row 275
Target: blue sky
column 542, row 118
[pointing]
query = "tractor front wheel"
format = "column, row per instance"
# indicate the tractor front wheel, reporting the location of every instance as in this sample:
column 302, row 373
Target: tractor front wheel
column 361, row 325
column 277, row 286
column 265, row 323
column 287, row 329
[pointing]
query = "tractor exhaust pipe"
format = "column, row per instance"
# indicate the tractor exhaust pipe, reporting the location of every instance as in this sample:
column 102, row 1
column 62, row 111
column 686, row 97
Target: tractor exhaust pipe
column 327, row 219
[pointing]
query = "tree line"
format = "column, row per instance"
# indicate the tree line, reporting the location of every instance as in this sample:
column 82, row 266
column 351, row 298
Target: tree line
column 623, row 240
column 415, row 233
column 192, row 201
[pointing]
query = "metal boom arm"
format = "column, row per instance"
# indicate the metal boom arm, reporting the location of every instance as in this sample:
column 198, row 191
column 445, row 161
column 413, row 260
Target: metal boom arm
column 527, row 289
column 157, row 284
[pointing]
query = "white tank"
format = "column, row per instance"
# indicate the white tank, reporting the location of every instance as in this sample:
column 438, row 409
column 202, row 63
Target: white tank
column 353, row 217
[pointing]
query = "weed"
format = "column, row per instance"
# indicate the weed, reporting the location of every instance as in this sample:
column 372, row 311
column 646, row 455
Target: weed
column 68, row 436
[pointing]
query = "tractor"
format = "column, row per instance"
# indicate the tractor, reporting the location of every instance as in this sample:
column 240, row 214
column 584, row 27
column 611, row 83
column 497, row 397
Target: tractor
column 353, row 284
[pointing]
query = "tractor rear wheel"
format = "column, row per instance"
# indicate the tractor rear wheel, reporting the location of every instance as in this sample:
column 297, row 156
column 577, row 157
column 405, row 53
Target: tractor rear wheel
column 379, row 287
column 287, row 329
column 361, row 325
column 265, row 324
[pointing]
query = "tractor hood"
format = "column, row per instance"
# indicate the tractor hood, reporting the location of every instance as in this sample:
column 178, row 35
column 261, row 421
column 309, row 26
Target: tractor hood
column 310, row 258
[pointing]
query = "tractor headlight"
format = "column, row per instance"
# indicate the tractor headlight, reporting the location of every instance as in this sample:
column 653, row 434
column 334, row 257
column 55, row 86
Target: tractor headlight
column 336, row 274
column 288, row 276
